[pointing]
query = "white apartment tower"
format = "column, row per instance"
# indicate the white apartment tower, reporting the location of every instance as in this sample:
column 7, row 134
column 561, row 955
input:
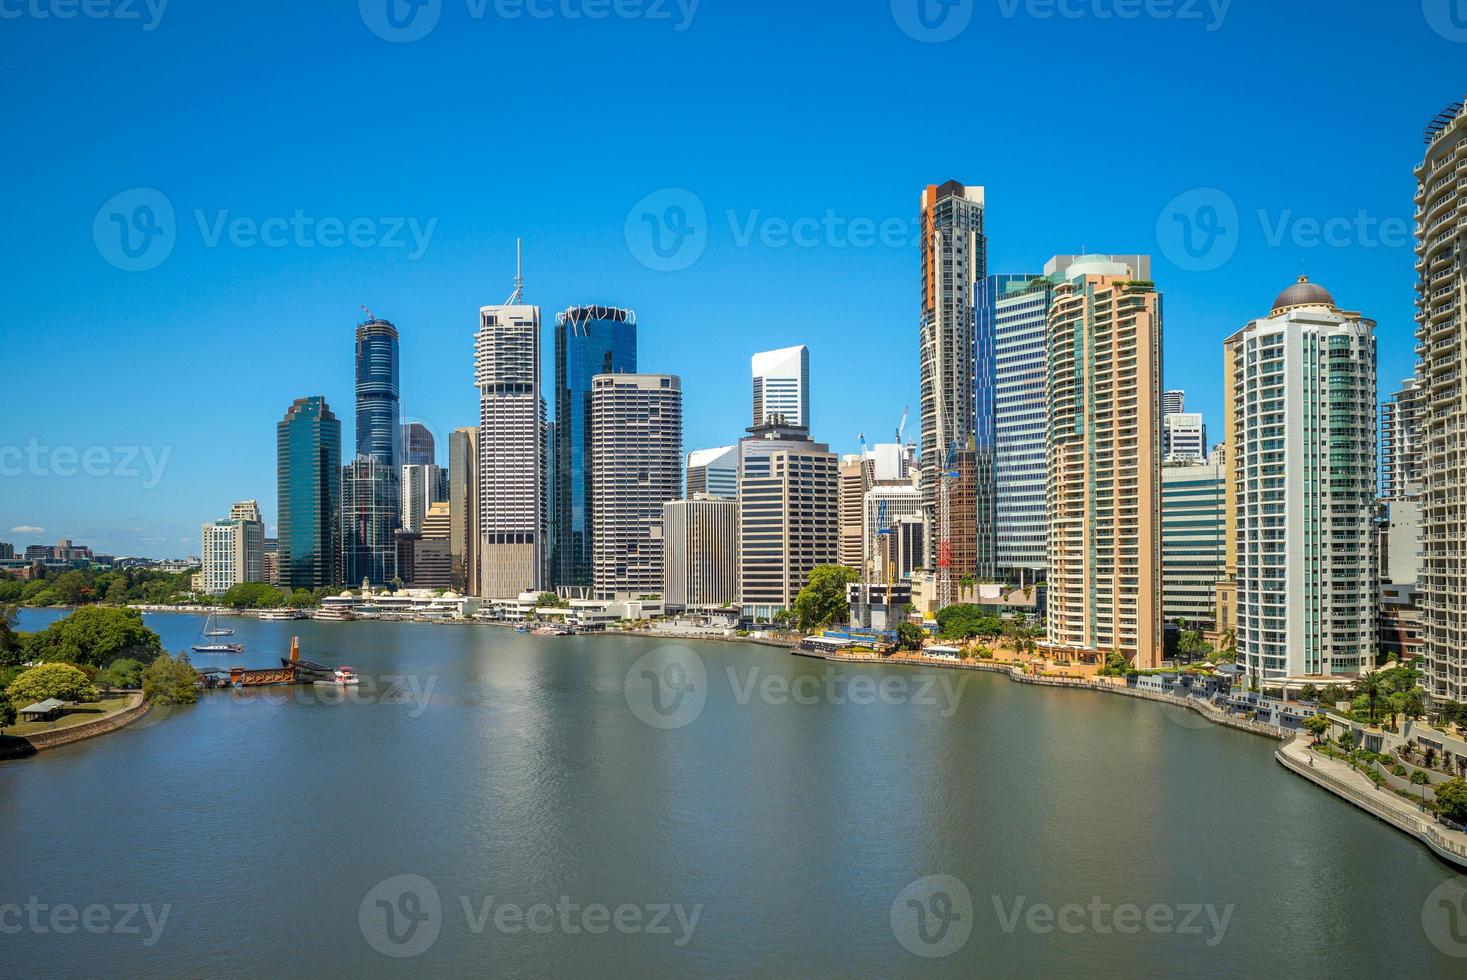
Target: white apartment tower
column 1303, row 467
column 232, row 551
column 512, row 498
column 782, row 386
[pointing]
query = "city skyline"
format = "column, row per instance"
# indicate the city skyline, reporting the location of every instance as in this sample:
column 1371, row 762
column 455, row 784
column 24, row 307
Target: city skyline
column 302, row 299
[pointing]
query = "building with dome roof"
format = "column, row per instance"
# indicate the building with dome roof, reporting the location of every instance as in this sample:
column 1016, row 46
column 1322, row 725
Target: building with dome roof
column 1301, row 487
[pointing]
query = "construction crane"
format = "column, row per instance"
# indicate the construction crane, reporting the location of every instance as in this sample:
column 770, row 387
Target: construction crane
column 944, row 535
column 901, row 429
column 370, row 317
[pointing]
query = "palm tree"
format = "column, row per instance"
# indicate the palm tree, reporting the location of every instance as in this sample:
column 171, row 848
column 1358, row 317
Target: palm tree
column 965, row 584
column 1370, row 686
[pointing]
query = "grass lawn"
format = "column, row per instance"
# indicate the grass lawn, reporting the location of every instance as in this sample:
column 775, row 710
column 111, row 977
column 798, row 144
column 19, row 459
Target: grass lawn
column 74, row 715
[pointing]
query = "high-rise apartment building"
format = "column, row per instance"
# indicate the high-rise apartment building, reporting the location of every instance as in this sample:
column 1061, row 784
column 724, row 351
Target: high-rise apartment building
column 1303, row 452
column 1193, row 541
column 700, row 555
column 369, row 515
column 1173, row 402
column 308, row 466
column 1009, row 425
column 463, row 508
column 379, row 431
column 512, row 476
column 1183, row 437
column 418, row 448
column 232, row 550
column 1441, row 293
column 954, row 262
column 589, row 340
column 857, row 474
column 422, row 484
column 433, row 549
column 1104, row 492
column 782, row 386
column 714, row 472
column 636, row 444
column 1400, row 440
column 788, row 515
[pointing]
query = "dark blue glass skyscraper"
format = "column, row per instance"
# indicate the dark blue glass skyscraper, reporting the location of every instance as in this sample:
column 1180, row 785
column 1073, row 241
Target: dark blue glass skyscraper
column 308, row 467
column 379, row 431
column 589, row 340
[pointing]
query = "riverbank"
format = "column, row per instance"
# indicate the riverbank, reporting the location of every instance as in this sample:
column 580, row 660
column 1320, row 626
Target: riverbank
column 1347, row 784
column 22, row 746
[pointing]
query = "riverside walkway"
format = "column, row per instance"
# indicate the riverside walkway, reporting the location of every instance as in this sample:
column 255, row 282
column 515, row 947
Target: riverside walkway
column 1344, row 782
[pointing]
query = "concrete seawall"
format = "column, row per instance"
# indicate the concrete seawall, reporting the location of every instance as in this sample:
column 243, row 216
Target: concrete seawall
column 20, row 746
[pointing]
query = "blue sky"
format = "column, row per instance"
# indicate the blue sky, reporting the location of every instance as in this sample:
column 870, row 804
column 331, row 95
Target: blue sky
column 1086, row 127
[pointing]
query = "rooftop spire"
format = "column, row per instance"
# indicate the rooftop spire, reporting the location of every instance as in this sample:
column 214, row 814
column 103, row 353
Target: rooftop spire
column 518, row 296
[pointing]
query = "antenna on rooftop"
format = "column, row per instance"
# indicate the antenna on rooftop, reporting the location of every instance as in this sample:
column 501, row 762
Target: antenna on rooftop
column 518, row 296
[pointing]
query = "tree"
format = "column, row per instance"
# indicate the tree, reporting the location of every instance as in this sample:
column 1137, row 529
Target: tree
column 10, row 645
column 170, row 680
column 94, row 635
column 1451, row 798
column 60, row 681
column 550, row 600
column 72, row 587
column 1317, row 726
column 822, row 602
column 1116, row 664
column 963, row 622
column 7, row 712
column 117, row 591
column 1333, row 695
column 253, row 595
column 909, row 636
column 1309, row 693
column 1371, row 688
column 125, row 673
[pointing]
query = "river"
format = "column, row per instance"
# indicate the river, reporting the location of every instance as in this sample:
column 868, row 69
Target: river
column 497, row 804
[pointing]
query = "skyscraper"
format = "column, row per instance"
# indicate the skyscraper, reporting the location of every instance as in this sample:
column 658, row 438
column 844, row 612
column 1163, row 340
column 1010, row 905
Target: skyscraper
column 1183, row 437
column 369, row 508
column 379, row 433
column 422, row 484
column 1193, row 540
column 512, row 505
column 857, row 474
column 1104, row 492
column 308, row 465
column 1303, row 406
column 463, row 508
column 700, row 552
column 788, row 516
column 782, row 386
column 954, row 261
column 636, row 444
column 418, row 448
column 1173, row 402
column 589, row 340
column 1441, row 267
column 714, row 472
column 1009, row 429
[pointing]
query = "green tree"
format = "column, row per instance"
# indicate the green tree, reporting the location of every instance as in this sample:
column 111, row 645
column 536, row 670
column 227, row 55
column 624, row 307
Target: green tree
column 1370, row 687
column 171, row 680
column 125, row 673
column 550, row 600
column 7, row 712
column 303, row 599
column 94, row 635
column 10, row 590
column 963, row 622
column 60, row 681
column 1451, row 797
column 253, row 595
column 909, row 636
column 822, row 602
column 117, row 591
column 1317, row 726
column 73, row 587
column 1116, row 664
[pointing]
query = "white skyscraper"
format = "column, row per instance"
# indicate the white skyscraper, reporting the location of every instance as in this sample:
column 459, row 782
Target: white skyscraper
column 714, row 472
column 1183, row 437
column 782, row 386
column 512, row 504
column 1304, row 471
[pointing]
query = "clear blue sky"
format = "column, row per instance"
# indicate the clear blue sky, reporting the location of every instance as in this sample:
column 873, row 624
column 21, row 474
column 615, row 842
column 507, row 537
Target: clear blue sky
column 1082, row 129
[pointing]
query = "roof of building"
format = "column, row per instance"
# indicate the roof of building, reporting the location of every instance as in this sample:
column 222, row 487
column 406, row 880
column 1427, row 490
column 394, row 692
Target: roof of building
column 1303, row 293
column 43, row 707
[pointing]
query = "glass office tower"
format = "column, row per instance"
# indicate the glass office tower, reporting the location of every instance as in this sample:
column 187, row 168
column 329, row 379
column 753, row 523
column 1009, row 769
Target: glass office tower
column 308, row 458
column 379, row 431
column 589, row 340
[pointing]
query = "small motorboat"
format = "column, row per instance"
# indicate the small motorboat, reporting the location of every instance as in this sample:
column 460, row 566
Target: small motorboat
column 522, row 628
column 341, row 677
